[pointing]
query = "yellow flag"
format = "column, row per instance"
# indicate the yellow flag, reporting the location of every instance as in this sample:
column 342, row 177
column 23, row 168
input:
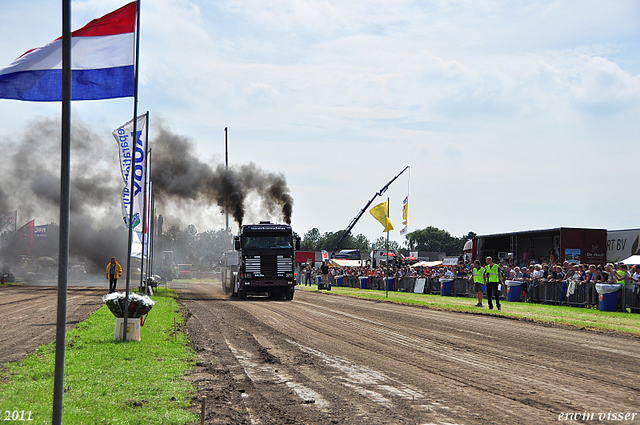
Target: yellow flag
column 380, row 213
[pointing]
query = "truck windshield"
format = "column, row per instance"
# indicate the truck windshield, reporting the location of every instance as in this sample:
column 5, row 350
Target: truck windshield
column 267, row 240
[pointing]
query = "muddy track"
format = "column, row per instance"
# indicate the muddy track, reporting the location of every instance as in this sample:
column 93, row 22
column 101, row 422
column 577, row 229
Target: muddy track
column 29, row 316
column 327, row 359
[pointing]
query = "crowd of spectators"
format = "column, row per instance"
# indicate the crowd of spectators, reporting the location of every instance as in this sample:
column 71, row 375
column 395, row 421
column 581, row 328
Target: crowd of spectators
column 572, row 277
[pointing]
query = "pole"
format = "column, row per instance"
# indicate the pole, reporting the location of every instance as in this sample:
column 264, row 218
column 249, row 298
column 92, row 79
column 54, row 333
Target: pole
column 386, row 284
column 145, row 221
column 226, row 163
column 132, row 172
column 150, row 233
column 63, row 248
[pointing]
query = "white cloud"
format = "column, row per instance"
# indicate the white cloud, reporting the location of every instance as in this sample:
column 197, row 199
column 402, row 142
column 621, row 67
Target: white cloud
column 518, row 97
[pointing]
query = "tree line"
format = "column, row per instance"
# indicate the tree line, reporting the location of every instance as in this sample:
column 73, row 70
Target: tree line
column 429, row 239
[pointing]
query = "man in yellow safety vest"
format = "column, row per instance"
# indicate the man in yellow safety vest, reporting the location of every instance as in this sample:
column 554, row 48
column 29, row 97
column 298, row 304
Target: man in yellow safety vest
column 492, row 279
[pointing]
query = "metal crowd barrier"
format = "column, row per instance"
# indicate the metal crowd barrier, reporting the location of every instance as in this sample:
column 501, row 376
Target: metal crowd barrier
column 542, row 292
column 632, row 295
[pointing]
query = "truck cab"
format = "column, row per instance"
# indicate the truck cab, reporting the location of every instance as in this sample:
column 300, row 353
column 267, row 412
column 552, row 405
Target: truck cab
column 266, row 260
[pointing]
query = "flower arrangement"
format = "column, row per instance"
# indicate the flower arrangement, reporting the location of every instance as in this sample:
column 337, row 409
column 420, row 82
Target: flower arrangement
column 139, row 305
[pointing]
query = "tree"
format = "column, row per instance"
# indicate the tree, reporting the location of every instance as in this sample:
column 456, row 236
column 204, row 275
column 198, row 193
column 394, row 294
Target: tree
column 314, row 241
column 381, row 244
column 190, row 247
column 433, row 239
column 310, row 240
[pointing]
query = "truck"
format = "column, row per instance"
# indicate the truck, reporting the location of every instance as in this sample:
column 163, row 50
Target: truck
column 265, row 255
column 184, row 271
column 169, row 270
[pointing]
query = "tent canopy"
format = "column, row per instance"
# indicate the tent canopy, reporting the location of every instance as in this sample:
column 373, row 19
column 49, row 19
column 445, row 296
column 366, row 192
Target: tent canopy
column 427, row 264
column 345, row 263
column 634, row 259
column 468, row 246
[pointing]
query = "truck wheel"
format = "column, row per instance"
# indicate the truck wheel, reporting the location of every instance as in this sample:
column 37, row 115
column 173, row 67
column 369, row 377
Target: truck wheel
column 242, row 294
column 289, row 294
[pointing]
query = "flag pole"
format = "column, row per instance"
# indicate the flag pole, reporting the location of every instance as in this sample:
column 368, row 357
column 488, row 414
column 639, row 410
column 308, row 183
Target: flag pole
column 63, row 248
column 131, row 178
column 145, row 230
column 150, row 237
column 386, row 283
column 227, row 239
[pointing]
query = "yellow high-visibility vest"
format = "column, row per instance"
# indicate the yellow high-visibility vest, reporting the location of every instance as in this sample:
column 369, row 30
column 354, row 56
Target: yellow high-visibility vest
column 478, row 275
column 493, row 272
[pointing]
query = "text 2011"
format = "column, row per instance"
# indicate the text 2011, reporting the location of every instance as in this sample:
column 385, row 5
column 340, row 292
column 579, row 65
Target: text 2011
column 17, row 415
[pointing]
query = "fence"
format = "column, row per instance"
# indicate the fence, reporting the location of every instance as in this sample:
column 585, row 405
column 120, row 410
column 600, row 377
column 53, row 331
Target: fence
column 558, row 293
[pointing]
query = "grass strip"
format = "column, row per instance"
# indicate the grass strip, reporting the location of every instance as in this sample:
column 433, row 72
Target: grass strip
column 570, row 316
column 106, row 381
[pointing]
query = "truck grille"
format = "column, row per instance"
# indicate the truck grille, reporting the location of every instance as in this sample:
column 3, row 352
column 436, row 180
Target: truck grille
column 268, row 265
column 284, row 264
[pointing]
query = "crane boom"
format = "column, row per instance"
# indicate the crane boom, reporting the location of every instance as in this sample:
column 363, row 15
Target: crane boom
column 362, row 211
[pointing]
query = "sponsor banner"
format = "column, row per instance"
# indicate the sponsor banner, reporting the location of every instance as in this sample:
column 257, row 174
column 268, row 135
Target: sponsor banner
column 622, row 244
column 132, row 165
column 40, row 232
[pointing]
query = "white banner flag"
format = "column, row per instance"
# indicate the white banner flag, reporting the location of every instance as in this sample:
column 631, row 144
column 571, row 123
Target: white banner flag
column 139, row 245
column 130, row 151
column 124, row 141
column 8, row 222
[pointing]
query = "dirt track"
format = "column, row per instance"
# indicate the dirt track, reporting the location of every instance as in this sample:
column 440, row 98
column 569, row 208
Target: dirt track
column 327, row 359
column 29, row 316
column 323, row 359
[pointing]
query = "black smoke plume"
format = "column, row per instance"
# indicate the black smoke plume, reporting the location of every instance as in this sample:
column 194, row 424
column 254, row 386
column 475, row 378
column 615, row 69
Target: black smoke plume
column 31, row 184
column 178, row 172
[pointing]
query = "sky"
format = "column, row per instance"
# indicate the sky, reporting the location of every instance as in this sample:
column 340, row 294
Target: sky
column 512, row 115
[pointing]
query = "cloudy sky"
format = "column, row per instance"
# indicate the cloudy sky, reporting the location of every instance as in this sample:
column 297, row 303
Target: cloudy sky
column 512, row 115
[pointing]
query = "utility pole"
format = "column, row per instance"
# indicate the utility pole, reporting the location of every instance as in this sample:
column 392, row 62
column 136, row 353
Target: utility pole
column 227, row 245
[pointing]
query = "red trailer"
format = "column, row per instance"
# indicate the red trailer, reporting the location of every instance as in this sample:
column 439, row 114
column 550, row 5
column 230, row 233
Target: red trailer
column 549, row 245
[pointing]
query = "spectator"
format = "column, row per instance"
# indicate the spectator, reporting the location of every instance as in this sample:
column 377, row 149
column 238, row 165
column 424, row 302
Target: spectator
column 478, row 280
column 588, row 285
column 534, row 286
column 622, row 277
column 307, row 275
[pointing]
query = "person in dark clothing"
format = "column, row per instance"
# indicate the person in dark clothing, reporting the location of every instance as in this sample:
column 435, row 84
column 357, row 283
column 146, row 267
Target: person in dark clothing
column 307, row 274
column 324, row 271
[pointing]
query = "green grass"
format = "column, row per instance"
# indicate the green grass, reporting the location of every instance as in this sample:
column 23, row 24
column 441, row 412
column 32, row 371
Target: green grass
column 569, row 316
column 106, row 381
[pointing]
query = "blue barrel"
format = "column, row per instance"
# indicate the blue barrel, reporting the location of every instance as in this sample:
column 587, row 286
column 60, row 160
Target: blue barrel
column 446, row 286
column 339, row 280
column 364, row 282
column 513, row 292
column 608, row 302
column 319, row 279
column 608, row 296
column 389, row 283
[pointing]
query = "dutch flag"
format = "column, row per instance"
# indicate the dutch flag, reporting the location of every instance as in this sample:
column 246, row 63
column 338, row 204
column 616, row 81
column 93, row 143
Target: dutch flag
column 102, row 54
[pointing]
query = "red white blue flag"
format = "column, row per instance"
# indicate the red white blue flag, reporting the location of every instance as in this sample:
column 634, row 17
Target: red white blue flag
column 102, row 56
